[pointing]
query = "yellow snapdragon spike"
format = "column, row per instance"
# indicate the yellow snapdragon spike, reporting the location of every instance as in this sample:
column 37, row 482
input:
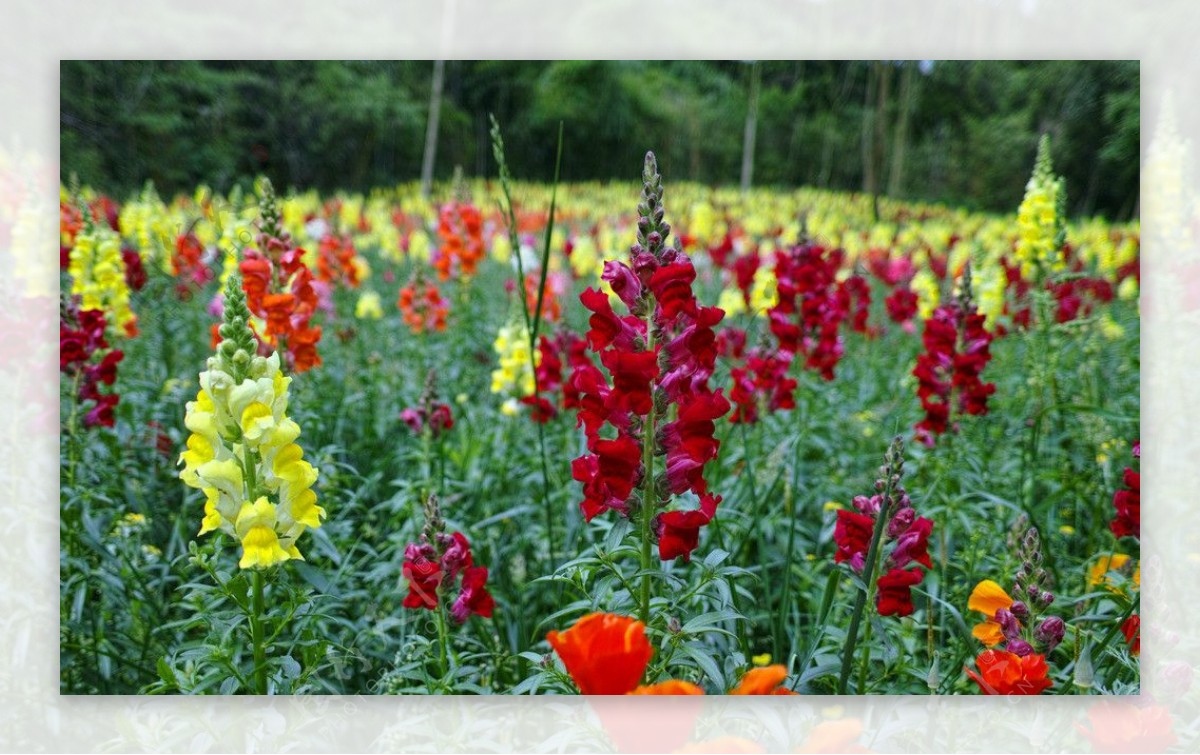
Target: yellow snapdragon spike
column 242, row 449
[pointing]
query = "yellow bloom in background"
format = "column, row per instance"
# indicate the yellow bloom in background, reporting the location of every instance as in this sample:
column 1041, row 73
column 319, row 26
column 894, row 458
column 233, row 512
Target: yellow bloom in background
column 988, row 598
column 98, row 276
column 1101, row 572
column 368, row 306
column 1041, row 228
column 242, row 451
column 514, row 376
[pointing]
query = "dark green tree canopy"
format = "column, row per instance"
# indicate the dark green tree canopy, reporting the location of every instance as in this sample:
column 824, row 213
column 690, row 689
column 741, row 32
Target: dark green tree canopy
column 959, row 132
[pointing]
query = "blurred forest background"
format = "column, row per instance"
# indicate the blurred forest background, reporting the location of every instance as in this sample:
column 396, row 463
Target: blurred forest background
column 964, row 133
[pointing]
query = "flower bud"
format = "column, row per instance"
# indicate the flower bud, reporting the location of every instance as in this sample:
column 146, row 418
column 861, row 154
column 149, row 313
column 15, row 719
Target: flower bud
column 1019, row 609
column 1050, row 632
column 1046, row 599
column 1019, row 647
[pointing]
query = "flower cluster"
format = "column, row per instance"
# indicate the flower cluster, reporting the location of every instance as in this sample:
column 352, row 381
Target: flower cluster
column 813, row 304
column 957, row 348
column 98, row 276
column 433, row 565
column 422, row 305
column 1040, row 219
column 242, row 451
column 1020, row 623
column 514, row 377
column 460, row 228
column 429, row 412
column 907, row 533
column 661, row 355
column 607, row 654
column 1128, row 502
column 338, row 262
column 763, row 380
column 279, row 289
column 188, row 265
column 81, row 339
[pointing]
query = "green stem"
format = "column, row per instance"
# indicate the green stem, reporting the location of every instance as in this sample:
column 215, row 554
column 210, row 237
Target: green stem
column 443, row 640
column 649, row 494
column 869, row 570
column 256, row 628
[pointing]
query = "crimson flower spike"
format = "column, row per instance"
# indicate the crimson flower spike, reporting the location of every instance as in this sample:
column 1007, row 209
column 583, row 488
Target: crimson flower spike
column 654, row 401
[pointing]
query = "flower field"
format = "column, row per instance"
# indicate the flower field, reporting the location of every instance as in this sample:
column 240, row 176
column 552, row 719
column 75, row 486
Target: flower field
column 644, row 437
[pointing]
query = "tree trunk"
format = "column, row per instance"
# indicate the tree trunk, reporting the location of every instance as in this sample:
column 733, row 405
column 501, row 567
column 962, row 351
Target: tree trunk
column 879, row 143
column 751, row 129
column 900, row 140
column 431, row 130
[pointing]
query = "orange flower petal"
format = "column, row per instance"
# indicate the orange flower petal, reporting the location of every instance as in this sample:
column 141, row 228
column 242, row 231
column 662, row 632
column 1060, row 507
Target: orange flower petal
column 671, row 687
column 988, row 597
column 761, row 681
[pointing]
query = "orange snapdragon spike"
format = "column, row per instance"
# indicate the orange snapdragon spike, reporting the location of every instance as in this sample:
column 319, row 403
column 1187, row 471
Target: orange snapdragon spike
column 605, row 654
column 1003, row 673
column 767, row 680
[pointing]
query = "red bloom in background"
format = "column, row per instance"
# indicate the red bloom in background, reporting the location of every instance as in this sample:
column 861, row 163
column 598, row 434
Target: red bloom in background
column 679, row 531
column 460, row 228
column 432, row 570
column 422, row 305
column 135, row 273
column 1132, row 629
column 957, row 348
column 763, row 380
column 336, row 260
column 813, row 304
column 1004, row 673
column 81, row 341
column 1128, row 503
column 279, row 289
column 894, row 594
column 901, row 305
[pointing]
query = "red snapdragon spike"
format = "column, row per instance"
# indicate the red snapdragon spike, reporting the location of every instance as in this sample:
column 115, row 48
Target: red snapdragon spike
column 957, row 348
column 812, row 306
column 894, row 596
column 679, row 531
column 101, row 414
column 424, row 576
column 731, row 343
column 669, row 379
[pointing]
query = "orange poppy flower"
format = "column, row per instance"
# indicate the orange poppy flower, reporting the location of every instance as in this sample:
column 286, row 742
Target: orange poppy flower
column 672, row 687
column 1003, row 673
column 767, row 680
column 987, row 598
column 604, row 653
